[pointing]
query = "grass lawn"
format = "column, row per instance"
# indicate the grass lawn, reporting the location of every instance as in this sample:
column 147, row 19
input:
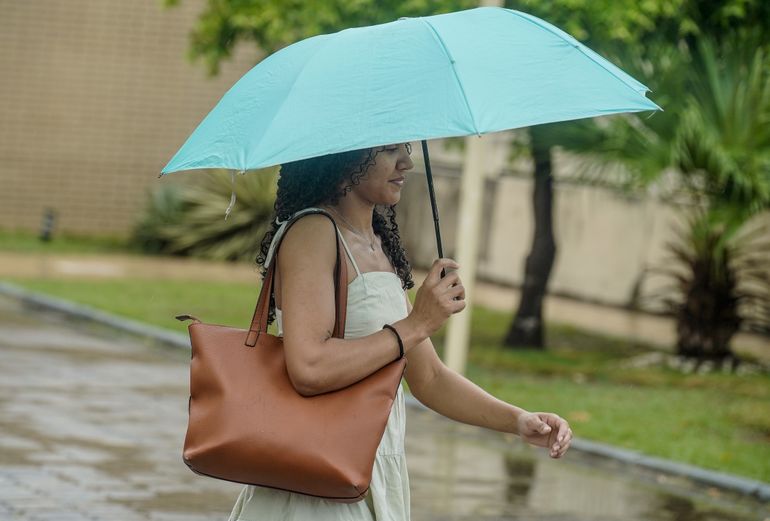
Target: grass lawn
column 26, row 242
column 716, row 421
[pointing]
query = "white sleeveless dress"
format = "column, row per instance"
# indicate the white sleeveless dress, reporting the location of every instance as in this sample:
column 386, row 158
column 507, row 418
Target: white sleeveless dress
column 374, row 299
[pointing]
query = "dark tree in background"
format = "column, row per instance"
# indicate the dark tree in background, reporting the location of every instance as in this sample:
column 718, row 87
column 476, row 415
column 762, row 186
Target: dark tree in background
column 527, row 326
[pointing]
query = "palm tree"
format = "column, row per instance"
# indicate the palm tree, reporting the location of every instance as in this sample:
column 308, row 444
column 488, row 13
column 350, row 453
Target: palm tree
column 720, row 284
column 713, row 148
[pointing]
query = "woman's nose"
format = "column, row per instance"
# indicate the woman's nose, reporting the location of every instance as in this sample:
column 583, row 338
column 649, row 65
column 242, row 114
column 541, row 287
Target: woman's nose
column 406, row 162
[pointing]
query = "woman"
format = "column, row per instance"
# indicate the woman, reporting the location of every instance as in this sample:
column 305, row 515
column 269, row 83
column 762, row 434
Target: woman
column 360, row 190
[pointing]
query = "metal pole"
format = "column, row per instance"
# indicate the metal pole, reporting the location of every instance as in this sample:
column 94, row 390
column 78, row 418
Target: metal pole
column 466, row 251
column 467, row 247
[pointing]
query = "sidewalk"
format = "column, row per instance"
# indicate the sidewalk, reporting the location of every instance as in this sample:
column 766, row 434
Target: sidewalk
column 92, row 422
column 592, row 317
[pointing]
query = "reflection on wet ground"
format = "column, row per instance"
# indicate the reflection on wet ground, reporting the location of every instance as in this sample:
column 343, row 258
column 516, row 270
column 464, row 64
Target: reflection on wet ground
column 459, row 472
column 91, row 426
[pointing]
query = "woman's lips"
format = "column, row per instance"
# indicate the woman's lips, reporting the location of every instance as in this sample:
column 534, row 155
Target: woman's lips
column 399, row 181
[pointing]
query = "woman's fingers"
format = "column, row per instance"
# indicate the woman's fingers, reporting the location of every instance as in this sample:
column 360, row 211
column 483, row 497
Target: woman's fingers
column 563, row 436
column 560, row 449
column 457, row 291
column 449, row 281
column 434, row 274
column 450, row 300
column 567, row 441
column 438, row 298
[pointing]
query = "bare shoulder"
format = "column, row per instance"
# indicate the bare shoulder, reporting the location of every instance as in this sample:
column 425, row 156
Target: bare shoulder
column 310, row 242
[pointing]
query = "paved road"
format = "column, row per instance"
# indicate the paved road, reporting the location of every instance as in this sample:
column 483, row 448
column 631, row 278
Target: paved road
column 91, row 425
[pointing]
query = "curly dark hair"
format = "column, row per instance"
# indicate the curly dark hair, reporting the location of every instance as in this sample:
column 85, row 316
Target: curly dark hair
column 316, row 181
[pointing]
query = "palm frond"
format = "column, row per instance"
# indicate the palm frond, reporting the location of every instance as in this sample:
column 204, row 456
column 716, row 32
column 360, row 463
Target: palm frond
column 199, row 228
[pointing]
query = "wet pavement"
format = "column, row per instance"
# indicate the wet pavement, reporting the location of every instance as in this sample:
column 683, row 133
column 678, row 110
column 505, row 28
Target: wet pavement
column 92, row 422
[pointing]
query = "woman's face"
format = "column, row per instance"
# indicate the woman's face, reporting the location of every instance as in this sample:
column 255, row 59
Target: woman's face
column 382, row 182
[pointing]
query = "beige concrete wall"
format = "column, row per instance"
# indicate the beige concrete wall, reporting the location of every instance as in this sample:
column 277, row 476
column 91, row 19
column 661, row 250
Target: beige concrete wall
column 606, row 240
column 95, row 97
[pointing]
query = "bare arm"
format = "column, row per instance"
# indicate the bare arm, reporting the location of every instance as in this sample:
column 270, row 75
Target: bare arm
column 317, row 362
column 454, row 396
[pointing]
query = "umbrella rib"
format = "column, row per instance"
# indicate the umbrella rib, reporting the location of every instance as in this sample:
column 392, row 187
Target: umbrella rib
column 327, row 42
column 454, row 70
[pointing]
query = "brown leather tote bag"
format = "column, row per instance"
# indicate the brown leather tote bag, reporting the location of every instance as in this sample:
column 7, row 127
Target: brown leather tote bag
column 249, row 425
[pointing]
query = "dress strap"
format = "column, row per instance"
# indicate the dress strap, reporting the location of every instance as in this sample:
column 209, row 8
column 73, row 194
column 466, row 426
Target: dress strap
column 282, row 228
column 347, row 250
column 280, row 231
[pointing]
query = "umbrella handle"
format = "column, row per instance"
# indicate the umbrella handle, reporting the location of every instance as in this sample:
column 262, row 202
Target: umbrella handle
column 434, row 207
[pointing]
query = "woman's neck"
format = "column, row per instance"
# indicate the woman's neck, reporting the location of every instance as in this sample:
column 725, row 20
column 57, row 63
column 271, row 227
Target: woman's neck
column 355, row 212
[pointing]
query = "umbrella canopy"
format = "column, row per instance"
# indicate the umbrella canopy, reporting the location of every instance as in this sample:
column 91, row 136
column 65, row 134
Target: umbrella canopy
column 457, row 74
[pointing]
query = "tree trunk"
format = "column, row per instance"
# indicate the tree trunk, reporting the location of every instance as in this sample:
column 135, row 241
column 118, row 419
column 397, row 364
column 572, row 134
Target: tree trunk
column 708, row 318
column 526, row 330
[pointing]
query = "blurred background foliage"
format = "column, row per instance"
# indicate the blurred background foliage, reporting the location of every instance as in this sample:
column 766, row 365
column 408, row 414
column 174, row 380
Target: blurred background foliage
column 189, row 219
column 710, row 149
column 273, row 24
column 706, row 63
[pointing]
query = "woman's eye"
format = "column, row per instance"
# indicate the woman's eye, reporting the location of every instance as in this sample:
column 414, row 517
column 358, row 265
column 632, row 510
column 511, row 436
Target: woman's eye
column 395, row 148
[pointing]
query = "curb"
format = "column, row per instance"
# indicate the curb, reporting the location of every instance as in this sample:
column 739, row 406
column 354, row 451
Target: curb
column 749, row 487
column 94, row 315
column 744, row 486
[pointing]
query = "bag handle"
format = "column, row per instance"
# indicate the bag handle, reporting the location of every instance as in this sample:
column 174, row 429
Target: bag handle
column 259, row 320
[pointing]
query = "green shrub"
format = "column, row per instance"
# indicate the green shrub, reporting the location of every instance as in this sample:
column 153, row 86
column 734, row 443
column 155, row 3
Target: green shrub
column 189, row 219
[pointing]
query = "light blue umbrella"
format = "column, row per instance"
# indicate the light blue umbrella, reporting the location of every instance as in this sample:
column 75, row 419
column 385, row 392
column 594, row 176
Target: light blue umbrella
column 457, row 74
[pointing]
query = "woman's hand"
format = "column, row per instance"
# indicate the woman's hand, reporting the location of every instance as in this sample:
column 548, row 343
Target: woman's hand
column 545, row 429
column 438, row 299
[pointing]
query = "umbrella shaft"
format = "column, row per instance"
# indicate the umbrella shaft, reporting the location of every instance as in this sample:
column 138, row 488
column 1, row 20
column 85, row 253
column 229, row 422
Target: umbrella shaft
column 432, row 195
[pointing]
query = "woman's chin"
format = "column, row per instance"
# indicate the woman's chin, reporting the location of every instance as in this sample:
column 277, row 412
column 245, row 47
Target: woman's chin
column 392, row 199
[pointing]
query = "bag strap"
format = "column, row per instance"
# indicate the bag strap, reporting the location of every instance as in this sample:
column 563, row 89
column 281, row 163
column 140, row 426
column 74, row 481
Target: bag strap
column 259, row 320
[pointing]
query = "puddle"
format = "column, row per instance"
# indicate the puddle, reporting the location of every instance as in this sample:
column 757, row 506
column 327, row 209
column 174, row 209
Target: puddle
column 459, row 472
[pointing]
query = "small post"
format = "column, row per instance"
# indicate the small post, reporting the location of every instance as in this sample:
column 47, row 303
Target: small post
column 47, row 225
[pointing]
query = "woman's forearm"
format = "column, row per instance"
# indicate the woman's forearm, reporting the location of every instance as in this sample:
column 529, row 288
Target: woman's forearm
column 456, row 397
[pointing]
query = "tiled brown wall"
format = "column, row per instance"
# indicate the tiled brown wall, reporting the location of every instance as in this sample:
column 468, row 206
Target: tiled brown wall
column 95, row 98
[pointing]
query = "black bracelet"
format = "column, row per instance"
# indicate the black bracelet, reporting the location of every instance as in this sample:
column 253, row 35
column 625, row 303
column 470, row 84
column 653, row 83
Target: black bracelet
column 398, row 337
